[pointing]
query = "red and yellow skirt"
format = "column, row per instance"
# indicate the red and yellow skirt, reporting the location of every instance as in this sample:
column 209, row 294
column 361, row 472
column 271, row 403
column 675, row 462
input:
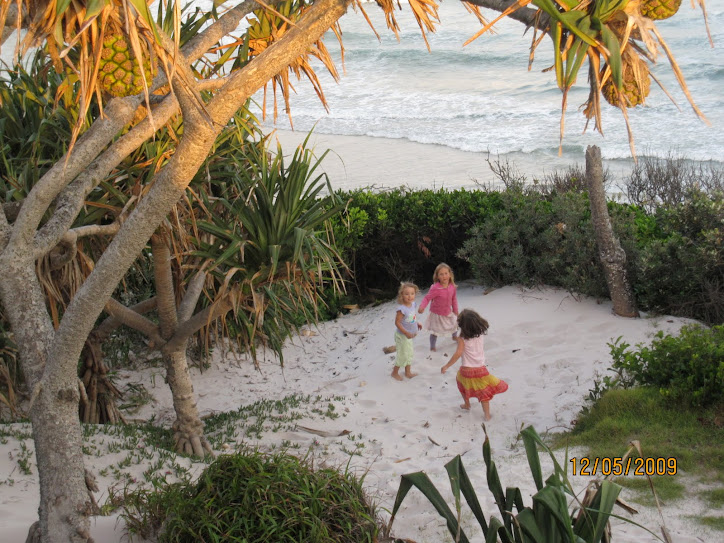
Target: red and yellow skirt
column 478, row 383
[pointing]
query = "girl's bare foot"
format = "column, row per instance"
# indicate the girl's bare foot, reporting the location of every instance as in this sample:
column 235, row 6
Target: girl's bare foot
column 396, row 375
column 465, row 406
column 410, row 375
column 433, row 349
column 487, row 417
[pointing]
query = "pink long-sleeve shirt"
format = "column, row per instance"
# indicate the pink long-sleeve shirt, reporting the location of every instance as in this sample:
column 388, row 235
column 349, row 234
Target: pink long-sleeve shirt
column 441, row 299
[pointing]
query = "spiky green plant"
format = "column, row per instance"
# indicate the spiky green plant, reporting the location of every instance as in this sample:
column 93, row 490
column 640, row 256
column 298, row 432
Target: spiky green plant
column 549, row 519
column 267, row 235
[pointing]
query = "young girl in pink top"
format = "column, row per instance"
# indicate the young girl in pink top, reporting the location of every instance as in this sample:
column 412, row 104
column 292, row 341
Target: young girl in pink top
column 443, row 300
column 473, row 378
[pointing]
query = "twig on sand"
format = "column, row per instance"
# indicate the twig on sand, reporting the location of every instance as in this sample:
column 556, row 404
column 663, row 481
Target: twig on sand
column 324, row 433
column 325, row 385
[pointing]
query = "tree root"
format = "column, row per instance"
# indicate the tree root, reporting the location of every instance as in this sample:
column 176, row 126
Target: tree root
column 99, row 405
column 190, row 442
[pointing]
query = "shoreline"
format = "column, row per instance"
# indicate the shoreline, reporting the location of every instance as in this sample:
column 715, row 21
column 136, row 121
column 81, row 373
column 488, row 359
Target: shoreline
column 391, row 163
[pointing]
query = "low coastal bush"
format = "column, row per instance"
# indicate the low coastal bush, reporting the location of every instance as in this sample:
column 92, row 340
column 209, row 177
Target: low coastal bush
column 530, row 236
column 400, row 234
column 688, row 368
column 257, row 498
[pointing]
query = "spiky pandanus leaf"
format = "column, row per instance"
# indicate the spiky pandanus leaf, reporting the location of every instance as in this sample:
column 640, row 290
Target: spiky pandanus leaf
column 599, row 31
column 549, row 520
column 265, row 239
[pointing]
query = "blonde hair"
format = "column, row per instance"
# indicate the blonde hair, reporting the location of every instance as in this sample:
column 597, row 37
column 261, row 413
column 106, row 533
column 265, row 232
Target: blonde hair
column 440, row 266
column 405, row 286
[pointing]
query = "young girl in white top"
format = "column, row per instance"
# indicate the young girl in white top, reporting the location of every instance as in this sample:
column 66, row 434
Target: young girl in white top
column 406, row 328
column 473, row 378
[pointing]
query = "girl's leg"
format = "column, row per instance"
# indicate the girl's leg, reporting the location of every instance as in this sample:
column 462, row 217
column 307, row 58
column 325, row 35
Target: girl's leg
column 433, row 341
column 404, row 355
column 486, row 410
column 408, row 372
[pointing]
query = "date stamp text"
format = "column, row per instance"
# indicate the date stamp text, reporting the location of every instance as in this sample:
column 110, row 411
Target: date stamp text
column 616, row 465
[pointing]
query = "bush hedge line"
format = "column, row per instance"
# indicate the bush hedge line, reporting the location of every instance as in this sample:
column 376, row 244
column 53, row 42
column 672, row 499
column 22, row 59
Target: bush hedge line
column 675, row 252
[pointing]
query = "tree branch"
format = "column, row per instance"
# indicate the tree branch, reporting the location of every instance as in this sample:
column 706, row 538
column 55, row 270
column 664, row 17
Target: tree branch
column 197, row 46
column 72, row 198
column 104, row 329
column 119, row 113
column 191, row 297
column 310, row 28
column 189, row 327
column 524, row 15
column 134, row 320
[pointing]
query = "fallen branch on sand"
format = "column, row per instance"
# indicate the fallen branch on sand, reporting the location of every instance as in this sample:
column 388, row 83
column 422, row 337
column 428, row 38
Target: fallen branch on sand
column 323, row 433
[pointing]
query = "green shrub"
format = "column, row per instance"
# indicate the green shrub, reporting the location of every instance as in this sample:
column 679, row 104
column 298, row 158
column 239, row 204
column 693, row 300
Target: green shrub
column 675, row 253
column 542, row 239
column 397, row 235
column 679, row 268
column 257, row 498
column 688, row 367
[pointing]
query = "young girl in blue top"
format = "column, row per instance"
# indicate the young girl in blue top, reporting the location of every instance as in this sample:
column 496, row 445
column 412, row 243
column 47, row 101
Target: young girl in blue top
column 406, row 328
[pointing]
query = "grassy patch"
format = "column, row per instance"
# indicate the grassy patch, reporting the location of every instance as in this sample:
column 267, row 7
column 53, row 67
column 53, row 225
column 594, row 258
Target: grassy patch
column 254, row 420
column 714, row 497
column 717, row 523
column 694, row 437
column 667, row 488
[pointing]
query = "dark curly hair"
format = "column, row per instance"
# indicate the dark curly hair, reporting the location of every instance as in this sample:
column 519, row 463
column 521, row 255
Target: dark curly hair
column 471, row 324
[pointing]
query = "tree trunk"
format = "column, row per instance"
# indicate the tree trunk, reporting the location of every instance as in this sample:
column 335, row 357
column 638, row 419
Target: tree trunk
column 54, row 409
column 188, row 428
column 49, row 357
column 610, row 251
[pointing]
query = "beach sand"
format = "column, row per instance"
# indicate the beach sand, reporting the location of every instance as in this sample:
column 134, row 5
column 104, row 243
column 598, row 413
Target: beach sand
column 547, row 344
column 363, row 161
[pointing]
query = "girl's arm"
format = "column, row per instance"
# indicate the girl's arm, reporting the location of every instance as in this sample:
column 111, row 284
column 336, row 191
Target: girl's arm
column 455, row 300
column 456, row 355
column 427, row 299
column 398, row 323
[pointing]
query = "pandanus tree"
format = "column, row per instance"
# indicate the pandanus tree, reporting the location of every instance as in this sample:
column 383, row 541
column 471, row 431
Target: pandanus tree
column 275, row 207
column 138, row 74
column 260, row 252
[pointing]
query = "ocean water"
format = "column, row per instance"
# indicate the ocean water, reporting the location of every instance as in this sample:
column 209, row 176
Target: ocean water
column 483, row 98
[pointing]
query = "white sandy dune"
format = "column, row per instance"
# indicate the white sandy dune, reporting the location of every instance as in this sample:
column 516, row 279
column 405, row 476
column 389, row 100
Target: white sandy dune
column 547, row 344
